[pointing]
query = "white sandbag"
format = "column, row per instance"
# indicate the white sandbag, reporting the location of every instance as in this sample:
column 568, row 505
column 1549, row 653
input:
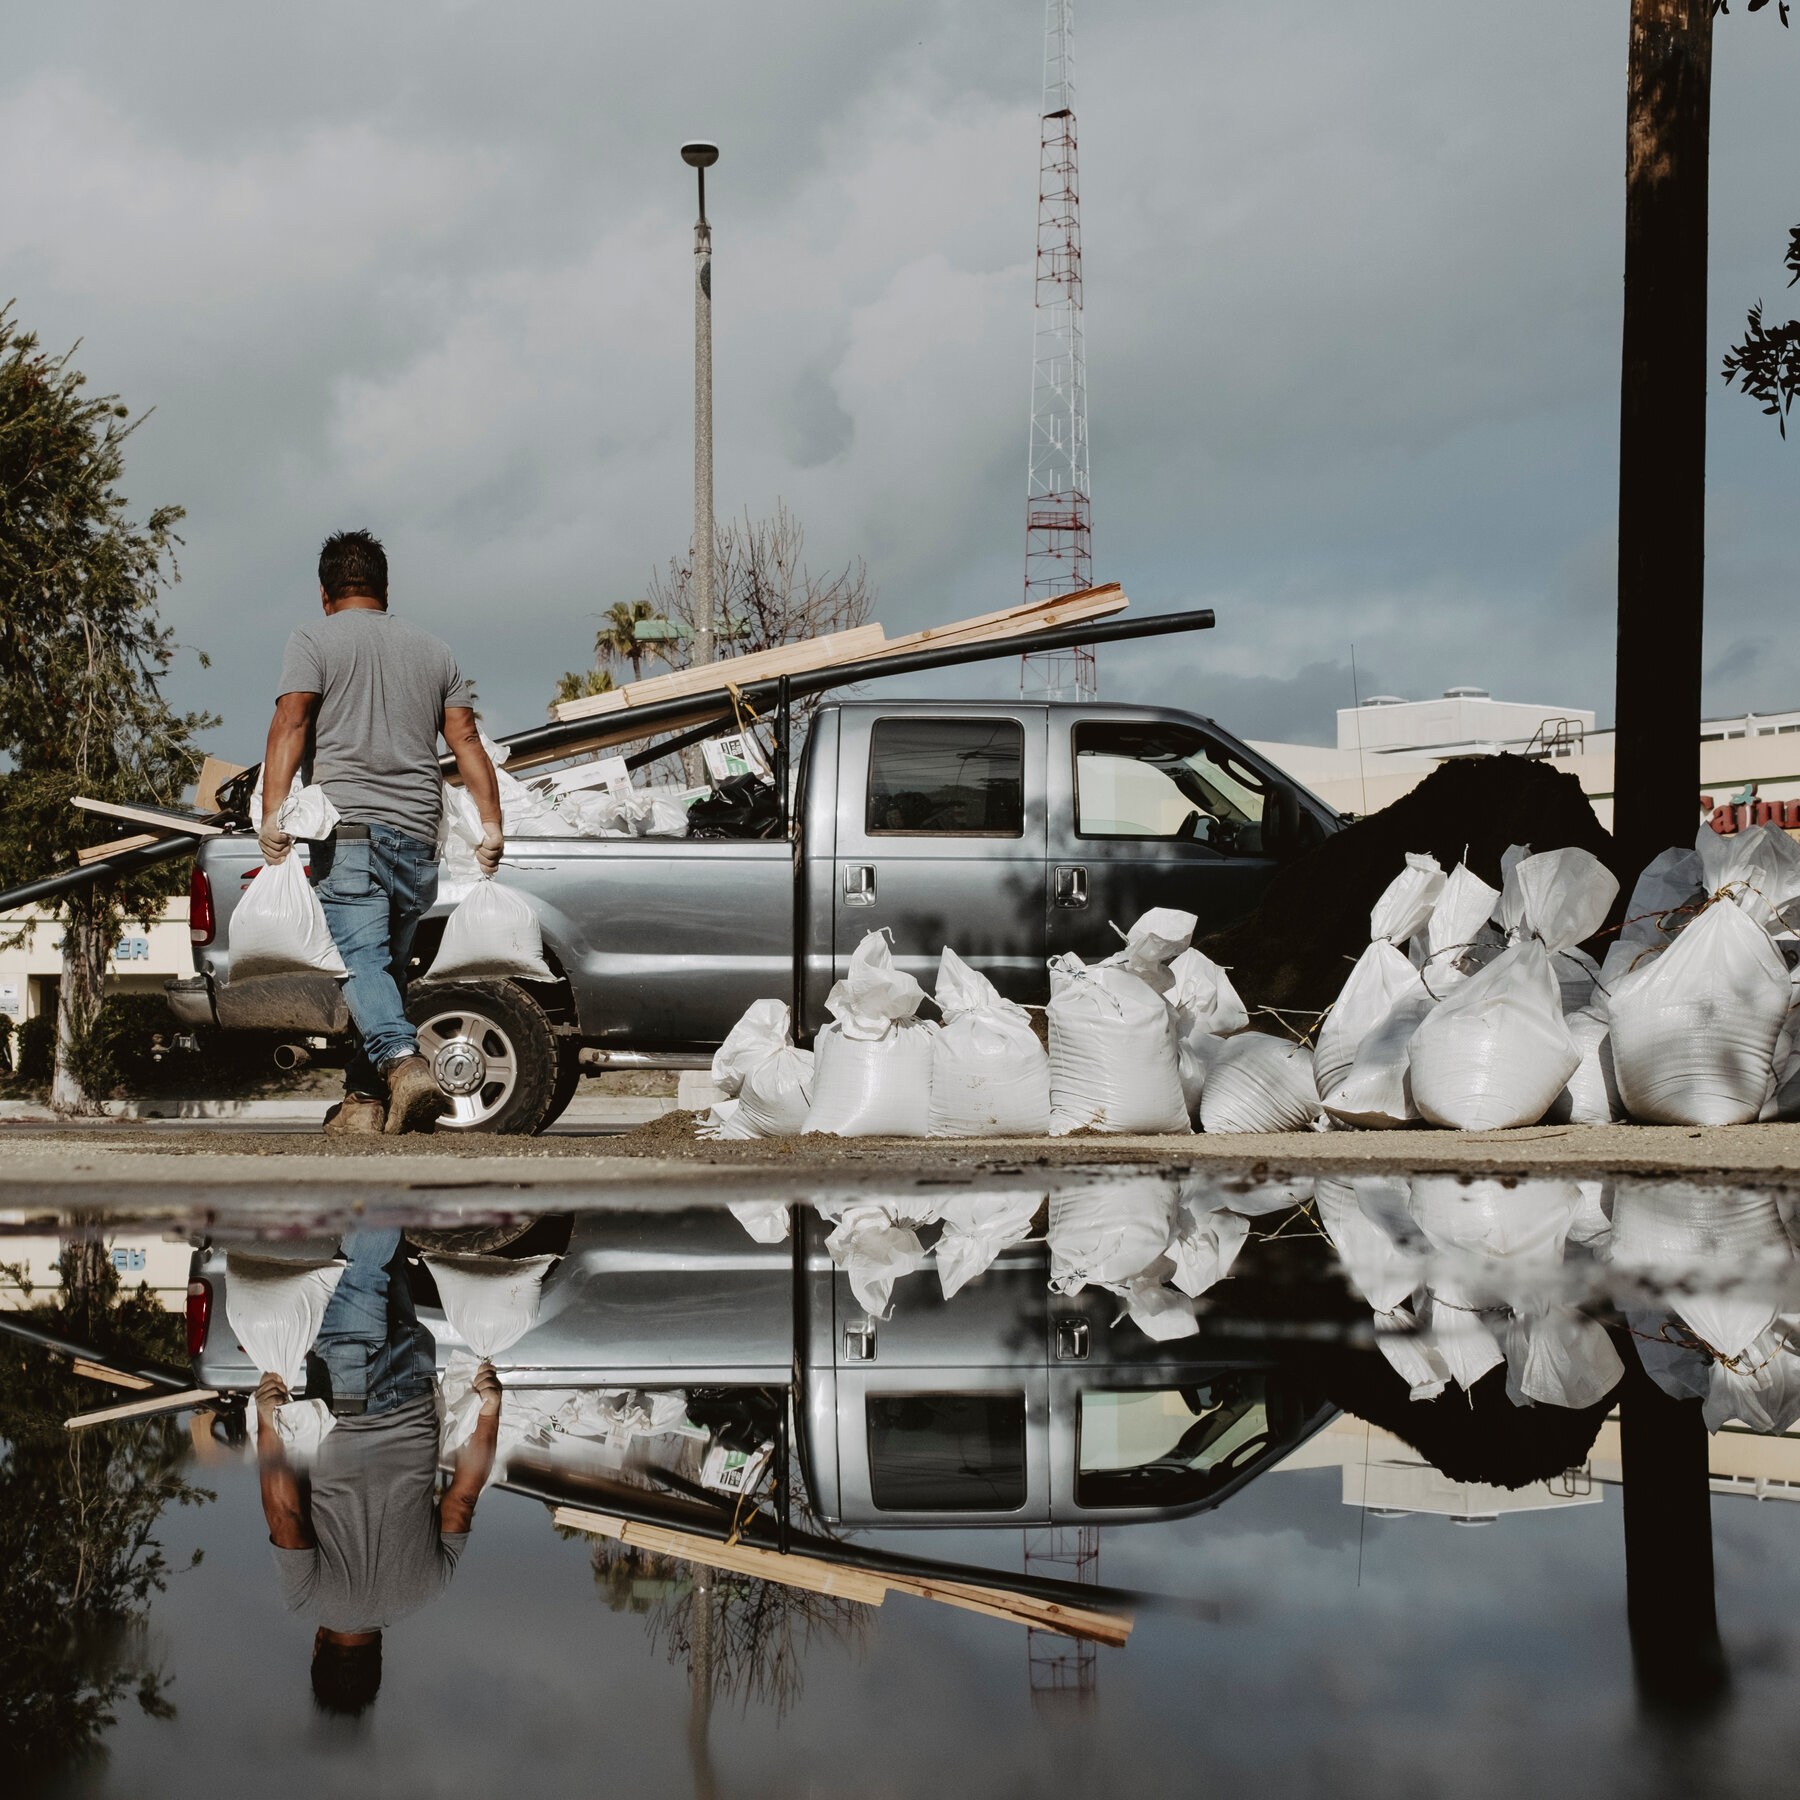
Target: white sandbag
column 278, row 927
column 1592, row 1224
column 526, row 813
column 1560, row 1357
column 1376, row 1094
column 771, row 1081
column 1454, row 945
column 765, row 1220
column 1258, row 1083
column 1203, row 997
column 1592, row 1094
column 493, row 935
column 308, row 813
column 1379, row 977
column 1157, row 1310
column 274, row 1307
column 1378, row 1268
column 1761, row 1388
column 1152, row 945
column 1559, row 897
column 1523, row 1222
column 1496, row 1052
column 1107, row 1235
column 1757, row 870
column 872, row 1064
column 874, row 1249
column 990, row 1077
column 1113, row 1064
column 1411, row 1354
column 459, row 836
column 256, row 797
column 1694, row 1030
column 1669, row 891
column 490, row 1302
column 1406, row 903
column 976, row 1230
column 1205, row 1245
column 1461, row 1337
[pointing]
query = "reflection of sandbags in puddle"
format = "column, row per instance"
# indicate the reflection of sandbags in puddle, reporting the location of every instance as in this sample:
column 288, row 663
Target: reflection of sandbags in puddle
column 1516, row 1220
column 1560, row 1357
column 976, row 1230
column 1380, row 1270
column 1106, row 1235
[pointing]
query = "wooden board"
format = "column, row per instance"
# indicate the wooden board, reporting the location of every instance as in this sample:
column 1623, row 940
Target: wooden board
column 118, row 846
column 99, row 1372
column 617, row 730
column 165, row 818
column 869, row 1586
column 785, row 659
column 213, row 775
column 175, row 1401
column 1015, row 621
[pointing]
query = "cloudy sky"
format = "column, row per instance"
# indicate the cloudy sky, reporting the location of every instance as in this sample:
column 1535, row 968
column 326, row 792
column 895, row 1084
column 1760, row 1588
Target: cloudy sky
column 1353, row 319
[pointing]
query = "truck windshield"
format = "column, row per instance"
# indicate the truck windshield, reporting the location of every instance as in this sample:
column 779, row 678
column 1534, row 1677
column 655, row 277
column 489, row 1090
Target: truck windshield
column 1165, row 781
column 947, row 1452
column 1168, row 1446
column 947, row 778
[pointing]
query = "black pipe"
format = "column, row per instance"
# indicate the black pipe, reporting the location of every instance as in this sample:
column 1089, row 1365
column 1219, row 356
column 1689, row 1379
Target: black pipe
column 169, row 1380
column 817, row 681
column 127, row 862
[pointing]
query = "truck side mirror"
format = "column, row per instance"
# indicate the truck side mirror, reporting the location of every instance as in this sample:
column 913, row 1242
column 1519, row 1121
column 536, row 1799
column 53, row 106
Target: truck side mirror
column 1281, row 832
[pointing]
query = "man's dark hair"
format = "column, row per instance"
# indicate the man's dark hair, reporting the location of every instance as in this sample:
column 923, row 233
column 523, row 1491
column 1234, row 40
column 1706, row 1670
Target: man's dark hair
column 346, row 1677
column 353, row 563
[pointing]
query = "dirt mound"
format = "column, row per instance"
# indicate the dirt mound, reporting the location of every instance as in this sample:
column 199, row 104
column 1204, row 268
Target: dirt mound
column 1296, row 948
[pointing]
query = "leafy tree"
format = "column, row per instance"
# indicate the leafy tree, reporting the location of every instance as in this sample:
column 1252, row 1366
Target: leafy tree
column 78, row 1558
column 617, row 639
column 82, row 656
column 1767, row 363
column 578, row 684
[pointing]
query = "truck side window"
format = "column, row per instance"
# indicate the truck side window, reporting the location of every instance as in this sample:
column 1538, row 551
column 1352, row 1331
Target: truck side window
column 947, row 1452
column 947, row 778
column 1165, row 781
column 1168, row 1446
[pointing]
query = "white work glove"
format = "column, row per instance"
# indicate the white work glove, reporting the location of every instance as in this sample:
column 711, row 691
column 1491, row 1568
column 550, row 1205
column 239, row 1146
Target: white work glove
column 487, row 852
column 275, row 842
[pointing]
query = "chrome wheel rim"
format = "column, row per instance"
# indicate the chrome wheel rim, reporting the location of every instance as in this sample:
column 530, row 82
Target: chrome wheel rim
column 474, row 1061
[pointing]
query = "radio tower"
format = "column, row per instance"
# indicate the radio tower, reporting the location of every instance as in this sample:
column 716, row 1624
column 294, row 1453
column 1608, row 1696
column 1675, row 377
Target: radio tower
column 1058, row 550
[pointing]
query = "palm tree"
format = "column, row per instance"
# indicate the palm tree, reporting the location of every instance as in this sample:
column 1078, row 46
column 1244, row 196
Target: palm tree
column 617, row 639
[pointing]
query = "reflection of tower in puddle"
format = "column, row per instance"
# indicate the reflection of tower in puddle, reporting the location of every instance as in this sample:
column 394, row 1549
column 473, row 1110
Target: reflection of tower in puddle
column 1061, row 1668
column 700, row 1684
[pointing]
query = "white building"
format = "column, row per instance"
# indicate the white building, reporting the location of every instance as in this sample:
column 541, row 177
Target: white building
column 148, row 952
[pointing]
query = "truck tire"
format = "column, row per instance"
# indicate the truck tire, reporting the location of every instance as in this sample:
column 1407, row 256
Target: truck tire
column 568, row 1079
column 492, row 1050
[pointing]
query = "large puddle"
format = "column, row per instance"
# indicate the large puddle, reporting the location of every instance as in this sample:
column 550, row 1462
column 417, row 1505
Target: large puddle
column 1118, row 1482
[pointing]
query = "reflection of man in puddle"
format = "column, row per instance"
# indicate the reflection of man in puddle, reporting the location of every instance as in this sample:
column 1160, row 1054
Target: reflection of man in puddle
column 365, row 1541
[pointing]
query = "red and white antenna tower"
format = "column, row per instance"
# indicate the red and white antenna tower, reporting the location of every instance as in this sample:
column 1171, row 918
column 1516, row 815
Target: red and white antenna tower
column 1058, row 548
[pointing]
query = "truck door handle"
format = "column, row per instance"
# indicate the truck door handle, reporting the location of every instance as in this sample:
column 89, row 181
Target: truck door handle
column 1071, row 1340
column 1071, row 888
column 859, row 1342
column 859, row 884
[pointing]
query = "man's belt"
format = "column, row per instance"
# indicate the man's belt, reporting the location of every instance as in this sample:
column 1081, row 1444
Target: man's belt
column 351, row 833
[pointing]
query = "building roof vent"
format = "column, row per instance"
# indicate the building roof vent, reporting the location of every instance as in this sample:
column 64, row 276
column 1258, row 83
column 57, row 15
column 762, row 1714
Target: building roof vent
column 1466, row 693
column 1384, row 700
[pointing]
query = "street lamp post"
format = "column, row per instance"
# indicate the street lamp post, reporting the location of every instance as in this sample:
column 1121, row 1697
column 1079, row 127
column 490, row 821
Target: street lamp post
column 700, row 157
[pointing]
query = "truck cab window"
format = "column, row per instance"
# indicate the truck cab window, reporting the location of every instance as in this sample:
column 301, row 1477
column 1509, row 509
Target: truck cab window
column 1165, row 781
column 947, row 1452
column 947, row 778
column 1168, row 1446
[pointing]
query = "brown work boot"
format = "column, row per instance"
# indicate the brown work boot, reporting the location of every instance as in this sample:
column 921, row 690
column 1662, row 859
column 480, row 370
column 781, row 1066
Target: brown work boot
column 356, row 1116
column 414, row 1098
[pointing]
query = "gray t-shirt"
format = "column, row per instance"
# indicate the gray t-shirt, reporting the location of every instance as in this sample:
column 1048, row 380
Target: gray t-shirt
column 379, row 1554
column 382, row 685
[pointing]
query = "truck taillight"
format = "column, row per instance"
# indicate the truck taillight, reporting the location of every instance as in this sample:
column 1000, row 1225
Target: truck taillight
column 199, row 1313
column 200, row 907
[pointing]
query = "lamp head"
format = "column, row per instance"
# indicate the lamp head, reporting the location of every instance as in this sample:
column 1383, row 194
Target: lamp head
column 700, row 155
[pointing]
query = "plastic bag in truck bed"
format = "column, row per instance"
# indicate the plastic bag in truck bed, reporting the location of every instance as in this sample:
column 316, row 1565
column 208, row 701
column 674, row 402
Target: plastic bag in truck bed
column 1113, row 1064
column 274, row 1306
column 759, row 1068
column 490, row 1302
column 493, row 935
column 278, row 927
column 872, row 1063
column 990, row 1077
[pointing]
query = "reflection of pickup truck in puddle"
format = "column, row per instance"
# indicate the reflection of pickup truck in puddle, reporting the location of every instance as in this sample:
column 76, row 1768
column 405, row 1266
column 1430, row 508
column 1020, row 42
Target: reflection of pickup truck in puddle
column 1006, row 1405
column 1011, row 832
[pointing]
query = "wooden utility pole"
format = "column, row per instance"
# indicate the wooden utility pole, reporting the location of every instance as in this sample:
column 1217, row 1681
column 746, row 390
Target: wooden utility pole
column 1662, row 430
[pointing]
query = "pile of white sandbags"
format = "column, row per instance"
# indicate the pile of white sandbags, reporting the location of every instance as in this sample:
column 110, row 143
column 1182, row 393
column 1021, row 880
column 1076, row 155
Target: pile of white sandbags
column 872, row 1063
column 767, row 1083
column 990, row 1077
column 1697, row 1021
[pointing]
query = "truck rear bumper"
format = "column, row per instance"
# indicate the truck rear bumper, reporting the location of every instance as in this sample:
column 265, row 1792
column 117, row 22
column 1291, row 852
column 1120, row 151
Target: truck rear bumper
column 188, row 999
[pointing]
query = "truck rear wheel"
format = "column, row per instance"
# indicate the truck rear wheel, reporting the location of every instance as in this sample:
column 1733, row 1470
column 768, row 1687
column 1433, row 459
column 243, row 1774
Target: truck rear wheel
column 568, row 1079
column 491, row 1049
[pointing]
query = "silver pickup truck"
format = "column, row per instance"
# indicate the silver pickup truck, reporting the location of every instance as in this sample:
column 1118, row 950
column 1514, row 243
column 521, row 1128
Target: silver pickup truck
column 1011, row 832
column 1005, row 1405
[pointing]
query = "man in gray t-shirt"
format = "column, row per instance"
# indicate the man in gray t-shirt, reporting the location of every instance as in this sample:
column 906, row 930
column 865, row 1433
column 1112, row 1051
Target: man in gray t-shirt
column 369, row 695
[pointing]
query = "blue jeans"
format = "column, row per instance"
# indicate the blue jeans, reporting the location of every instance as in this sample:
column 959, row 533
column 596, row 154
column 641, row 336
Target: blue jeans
column 375, row 890
column 372, row 1354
